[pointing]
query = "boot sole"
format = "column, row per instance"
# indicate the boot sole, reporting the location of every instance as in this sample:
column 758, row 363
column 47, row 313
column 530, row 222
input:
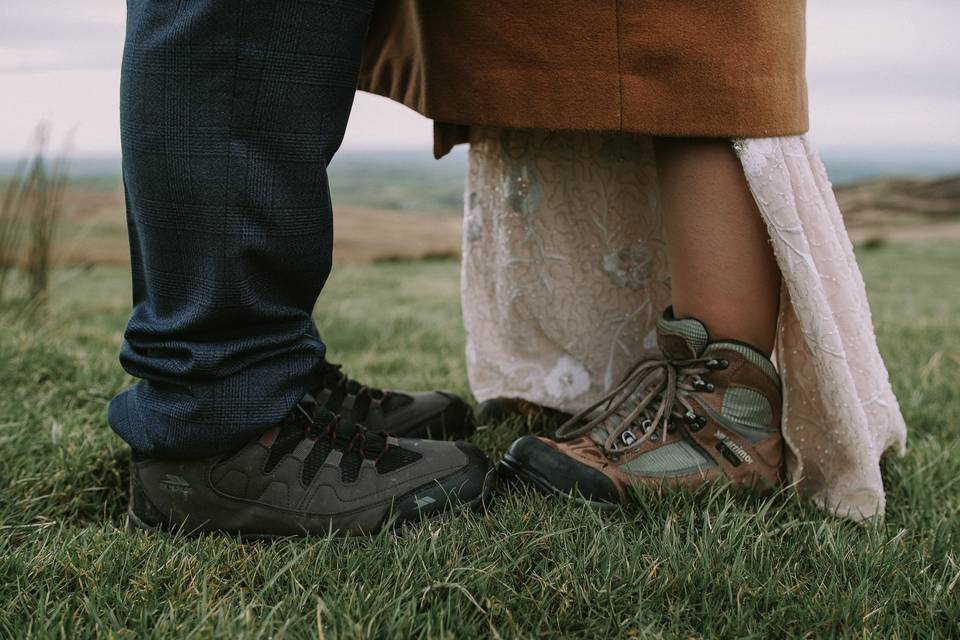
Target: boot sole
column 513, row 469
column 479, row 504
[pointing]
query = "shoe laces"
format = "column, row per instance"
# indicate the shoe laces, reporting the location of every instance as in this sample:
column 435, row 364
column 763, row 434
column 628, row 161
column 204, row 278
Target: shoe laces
column 652, row 398
column 319, row 422
column 335, row 380
column 334, row 376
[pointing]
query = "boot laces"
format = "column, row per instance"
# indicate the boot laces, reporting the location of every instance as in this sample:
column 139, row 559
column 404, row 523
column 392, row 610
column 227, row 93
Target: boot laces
column 334, row 376
column 334, row 379
column 652, row 399
column 318, row 422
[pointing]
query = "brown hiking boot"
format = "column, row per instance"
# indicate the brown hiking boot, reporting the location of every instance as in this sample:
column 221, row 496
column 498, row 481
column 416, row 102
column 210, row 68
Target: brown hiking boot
column 313, row 474
column 704, row 410
column 405, row 414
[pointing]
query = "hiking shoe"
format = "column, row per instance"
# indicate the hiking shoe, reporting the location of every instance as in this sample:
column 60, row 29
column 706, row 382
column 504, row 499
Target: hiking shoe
column 312, row 474
column 703, row 410
column 536, row 416
column 425, row 414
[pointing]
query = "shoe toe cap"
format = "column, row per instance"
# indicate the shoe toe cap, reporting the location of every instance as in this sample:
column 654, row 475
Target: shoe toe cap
column 537, row 461
column 458, row 418
column 471, row 484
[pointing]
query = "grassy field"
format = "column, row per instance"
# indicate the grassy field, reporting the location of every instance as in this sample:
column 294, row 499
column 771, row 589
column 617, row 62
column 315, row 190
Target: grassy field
column 709, row 563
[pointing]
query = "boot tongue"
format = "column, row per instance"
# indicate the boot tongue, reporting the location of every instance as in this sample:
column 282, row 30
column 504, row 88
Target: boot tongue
column 681, row 339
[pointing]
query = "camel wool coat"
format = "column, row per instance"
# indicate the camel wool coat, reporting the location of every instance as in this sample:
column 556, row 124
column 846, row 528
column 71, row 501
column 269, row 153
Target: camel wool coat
column 679, row 67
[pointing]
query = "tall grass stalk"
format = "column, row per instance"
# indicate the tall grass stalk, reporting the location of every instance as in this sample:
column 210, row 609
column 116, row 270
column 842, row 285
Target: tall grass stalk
column 11, row 224
column 32, row 202
column 47, row 188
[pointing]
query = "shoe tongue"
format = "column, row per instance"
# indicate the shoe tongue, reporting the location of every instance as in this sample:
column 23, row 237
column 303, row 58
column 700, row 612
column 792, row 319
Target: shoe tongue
column 681, row 339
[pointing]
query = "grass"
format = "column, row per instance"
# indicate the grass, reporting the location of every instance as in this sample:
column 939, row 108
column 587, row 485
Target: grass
column 707, row 563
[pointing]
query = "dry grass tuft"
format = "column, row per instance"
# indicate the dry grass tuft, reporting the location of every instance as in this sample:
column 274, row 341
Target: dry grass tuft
column 32, row 203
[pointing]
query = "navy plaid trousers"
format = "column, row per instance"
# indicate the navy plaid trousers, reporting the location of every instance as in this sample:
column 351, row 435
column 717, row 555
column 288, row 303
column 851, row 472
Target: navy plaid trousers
column 230, row 112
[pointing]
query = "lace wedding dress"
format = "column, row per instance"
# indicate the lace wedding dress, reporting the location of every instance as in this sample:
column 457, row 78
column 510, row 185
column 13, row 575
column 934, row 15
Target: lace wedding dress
column 565, row 274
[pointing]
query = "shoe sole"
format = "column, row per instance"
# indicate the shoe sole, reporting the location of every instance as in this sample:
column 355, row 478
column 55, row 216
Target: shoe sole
column 478, row 504
column 513, row 469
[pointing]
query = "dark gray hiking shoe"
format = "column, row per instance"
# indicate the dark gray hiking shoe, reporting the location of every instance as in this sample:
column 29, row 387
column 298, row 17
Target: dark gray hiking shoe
column 423, row 414
column 313, row 474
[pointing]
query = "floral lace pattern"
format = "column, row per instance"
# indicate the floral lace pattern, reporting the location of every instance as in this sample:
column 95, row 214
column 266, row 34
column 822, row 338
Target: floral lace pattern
column 565, row 274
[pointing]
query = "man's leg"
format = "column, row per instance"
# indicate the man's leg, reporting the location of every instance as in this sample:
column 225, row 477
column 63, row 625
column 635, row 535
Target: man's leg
column 231, row 110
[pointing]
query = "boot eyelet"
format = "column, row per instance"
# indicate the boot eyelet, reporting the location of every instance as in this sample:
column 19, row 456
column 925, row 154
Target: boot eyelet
column 654, row 437
column 721, row 363
column 702, row 385
column 695, row 422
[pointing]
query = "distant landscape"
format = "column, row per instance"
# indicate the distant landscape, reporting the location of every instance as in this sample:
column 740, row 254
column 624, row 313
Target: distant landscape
column 353, row 171
column 400, row 205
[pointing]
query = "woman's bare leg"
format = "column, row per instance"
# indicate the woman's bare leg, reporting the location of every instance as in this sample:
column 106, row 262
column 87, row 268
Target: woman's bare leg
column 722, row 266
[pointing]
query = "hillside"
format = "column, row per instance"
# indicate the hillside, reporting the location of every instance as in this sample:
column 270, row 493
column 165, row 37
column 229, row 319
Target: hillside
column 902, row 208
column 371, row 227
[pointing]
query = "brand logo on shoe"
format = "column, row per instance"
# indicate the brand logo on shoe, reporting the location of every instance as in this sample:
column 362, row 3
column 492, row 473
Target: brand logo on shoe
column 425, row 501
column 737, row 450
column 176, row 484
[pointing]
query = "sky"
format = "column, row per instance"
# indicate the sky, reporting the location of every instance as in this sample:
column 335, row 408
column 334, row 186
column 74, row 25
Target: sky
column 883, row 75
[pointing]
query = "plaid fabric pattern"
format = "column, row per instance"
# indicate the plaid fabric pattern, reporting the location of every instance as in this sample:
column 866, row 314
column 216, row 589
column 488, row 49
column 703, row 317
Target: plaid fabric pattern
column 230, row 112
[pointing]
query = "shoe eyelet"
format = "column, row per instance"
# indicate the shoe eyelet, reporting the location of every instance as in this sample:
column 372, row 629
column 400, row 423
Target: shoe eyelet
column 695, row 422
column 702, row 385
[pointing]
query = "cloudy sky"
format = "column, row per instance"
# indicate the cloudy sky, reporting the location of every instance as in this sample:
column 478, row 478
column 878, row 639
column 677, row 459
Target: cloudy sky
column 883, row 74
